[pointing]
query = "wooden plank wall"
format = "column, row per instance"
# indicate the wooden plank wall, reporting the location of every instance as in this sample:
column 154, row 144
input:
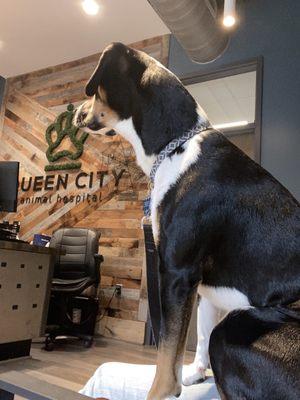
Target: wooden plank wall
column 32, row 102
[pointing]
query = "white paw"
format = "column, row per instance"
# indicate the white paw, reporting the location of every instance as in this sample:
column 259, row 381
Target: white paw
column 191, row 374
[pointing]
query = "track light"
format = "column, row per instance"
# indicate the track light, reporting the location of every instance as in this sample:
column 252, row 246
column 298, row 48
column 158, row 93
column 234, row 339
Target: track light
column 229, row 18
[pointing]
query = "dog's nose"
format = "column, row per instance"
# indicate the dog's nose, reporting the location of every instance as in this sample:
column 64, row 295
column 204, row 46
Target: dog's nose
column 110, row 133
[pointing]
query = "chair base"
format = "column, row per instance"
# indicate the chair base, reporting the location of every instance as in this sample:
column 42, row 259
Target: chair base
column 50, row 340
column 71, row 317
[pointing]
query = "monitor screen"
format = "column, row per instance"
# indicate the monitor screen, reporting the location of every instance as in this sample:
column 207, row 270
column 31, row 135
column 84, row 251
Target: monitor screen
column 9, row 177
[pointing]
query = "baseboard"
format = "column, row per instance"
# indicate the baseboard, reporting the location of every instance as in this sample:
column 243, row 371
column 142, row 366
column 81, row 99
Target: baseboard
column 15, row 349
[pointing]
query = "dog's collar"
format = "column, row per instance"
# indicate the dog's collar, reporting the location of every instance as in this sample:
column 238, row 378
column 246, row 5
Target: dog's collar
column 200, row 126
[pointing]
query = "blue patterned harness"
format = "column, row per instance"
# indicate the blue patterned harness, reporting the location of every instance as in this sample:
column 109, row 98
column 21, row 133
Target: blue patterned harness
column 200, row 126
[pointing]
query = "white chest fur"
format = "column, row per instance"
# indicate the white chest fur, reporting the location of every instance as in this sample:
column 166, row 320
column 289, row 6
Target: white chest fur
column 169, row 170
column 127, row 130
column 168, row 173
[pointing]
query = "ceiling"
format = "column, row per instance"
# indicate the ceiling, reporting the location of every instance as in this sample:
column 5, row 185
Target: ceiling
column 227, row 100
column 39, row 33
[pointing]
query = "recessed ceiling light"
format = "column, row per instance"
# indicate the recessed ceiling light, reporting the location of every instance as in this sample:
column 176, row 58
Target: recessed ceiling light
column 91, row 7
column 229, row 21
column 231, row 125
column 229, row 18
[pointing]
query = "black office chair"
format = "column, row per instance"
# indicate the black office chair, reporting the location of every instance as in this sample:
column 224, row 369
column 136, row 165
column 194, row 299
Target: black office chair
column 74, row 304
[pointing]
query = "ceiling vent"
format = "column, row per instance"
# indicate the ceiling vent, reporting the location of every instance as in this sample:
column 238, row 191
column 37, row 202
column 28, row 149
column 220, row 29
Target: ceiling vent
column 196, row 25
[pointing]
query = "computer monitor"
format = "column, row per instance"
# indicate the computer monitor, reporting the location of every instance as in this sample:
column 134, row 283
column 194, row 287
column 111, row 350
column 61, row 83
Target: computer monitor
column 9, row 179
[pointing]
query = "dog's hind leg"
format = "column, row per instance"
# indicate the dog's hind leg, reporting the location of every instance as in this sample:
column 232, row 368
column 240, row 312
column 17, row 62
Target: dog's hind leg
column 255, row 354
column 208, row 317
column 177, row 299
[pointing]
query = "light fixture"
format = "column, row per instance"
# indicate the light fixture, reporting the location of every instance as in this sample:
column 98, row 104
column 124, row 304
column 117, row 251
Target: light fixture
column 228, row 125
column 90, row 7
column 229, row 18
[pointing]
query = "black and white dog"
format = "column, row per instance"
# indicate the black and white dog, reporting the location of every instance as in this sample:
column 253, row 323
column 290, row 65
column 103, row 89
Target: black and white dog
column 223, row 226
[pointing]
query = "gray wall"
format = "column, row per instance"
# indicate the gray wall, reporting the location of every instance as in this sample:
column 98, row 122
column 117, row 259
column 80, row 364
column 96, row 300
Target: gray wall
column 268, row 28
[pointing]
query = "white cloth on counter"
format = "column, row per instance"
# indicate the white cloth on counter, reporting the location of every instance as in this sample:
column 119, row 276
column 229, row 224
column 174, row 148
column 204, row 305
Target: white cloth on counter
column 121, row 381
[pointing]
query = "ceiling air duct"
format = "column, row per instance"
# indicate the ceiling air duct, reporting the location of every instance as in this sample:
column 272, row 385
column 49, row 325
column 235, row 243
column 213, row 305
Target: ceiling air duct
column 196, row 26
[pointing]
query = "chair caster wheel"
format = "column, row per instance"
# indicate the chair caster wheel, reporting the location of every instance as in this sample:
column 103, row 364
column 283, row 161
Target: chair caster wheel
column 49, row 347
column 87, row 343
column 49, row 344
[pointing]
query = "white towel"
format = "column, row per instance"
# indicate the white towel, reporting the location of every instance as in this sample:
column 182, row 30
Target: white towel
column 120, row 381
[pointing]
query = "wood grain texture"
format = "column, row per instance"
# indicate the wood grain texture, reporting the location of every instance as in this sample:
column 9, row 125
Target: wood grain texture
column 70, row 366
column 32, row 101
column 129, row 331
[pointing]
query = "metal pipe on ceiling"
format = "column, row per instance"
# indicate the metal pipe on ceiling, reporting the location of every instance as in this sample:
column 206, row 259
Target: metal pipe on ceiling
column 196, row 26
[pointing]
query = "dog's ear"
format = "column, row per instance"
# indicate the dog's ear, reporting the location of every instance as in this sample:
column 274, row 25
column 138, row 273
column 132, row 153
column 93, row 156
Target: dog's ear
column 93, row 83
column 114, row 60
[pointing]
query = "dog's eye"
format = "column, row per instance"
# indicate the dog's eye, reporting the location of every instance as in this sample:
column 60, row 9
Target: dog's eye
column 102, row 114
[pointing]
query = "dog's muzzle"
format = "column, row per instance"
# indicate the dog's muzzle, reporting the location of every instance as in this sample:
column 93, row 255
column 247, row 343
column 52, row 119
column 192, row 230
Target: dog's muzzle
column 81, row 120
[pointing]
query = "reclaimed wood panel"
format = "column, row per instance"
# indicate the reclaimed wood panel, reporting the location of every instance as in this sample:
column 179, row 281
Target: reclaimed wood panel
column 129, row 331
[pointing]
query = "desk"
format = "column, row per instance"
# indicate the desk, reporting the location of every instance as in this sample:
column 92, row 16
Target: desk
column 15, row 378
column 21, row 246
column 25, row 282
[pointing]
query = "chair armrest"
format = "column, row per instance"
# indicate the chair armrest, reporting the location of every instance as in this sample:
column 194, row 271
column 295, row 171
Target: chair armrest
column 98, row 258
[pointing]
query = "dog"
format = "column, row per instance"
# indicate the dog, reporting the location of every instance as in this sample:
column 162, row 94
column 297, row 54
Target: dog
column 223, row 226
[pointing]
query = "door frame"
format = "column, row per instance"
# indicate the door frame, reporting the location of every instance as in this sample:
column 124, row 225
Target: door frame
column 253, row 64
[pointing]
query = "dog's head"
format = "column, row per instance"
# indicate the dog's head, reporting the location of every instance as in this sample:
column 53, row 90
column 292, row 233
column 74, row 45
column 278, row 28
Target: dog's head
column 138, row 97
column 112, row 89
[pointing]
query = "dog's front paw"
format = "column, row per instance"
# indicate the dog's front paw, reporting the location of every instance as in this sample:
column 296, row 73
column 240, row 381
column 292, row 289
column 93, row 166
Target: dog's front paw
column 192, row 374
column 163, row 392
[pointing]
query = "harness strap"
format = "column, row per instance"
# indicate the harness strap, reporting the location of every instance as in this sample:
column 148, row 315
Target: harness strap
column 200, row 126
